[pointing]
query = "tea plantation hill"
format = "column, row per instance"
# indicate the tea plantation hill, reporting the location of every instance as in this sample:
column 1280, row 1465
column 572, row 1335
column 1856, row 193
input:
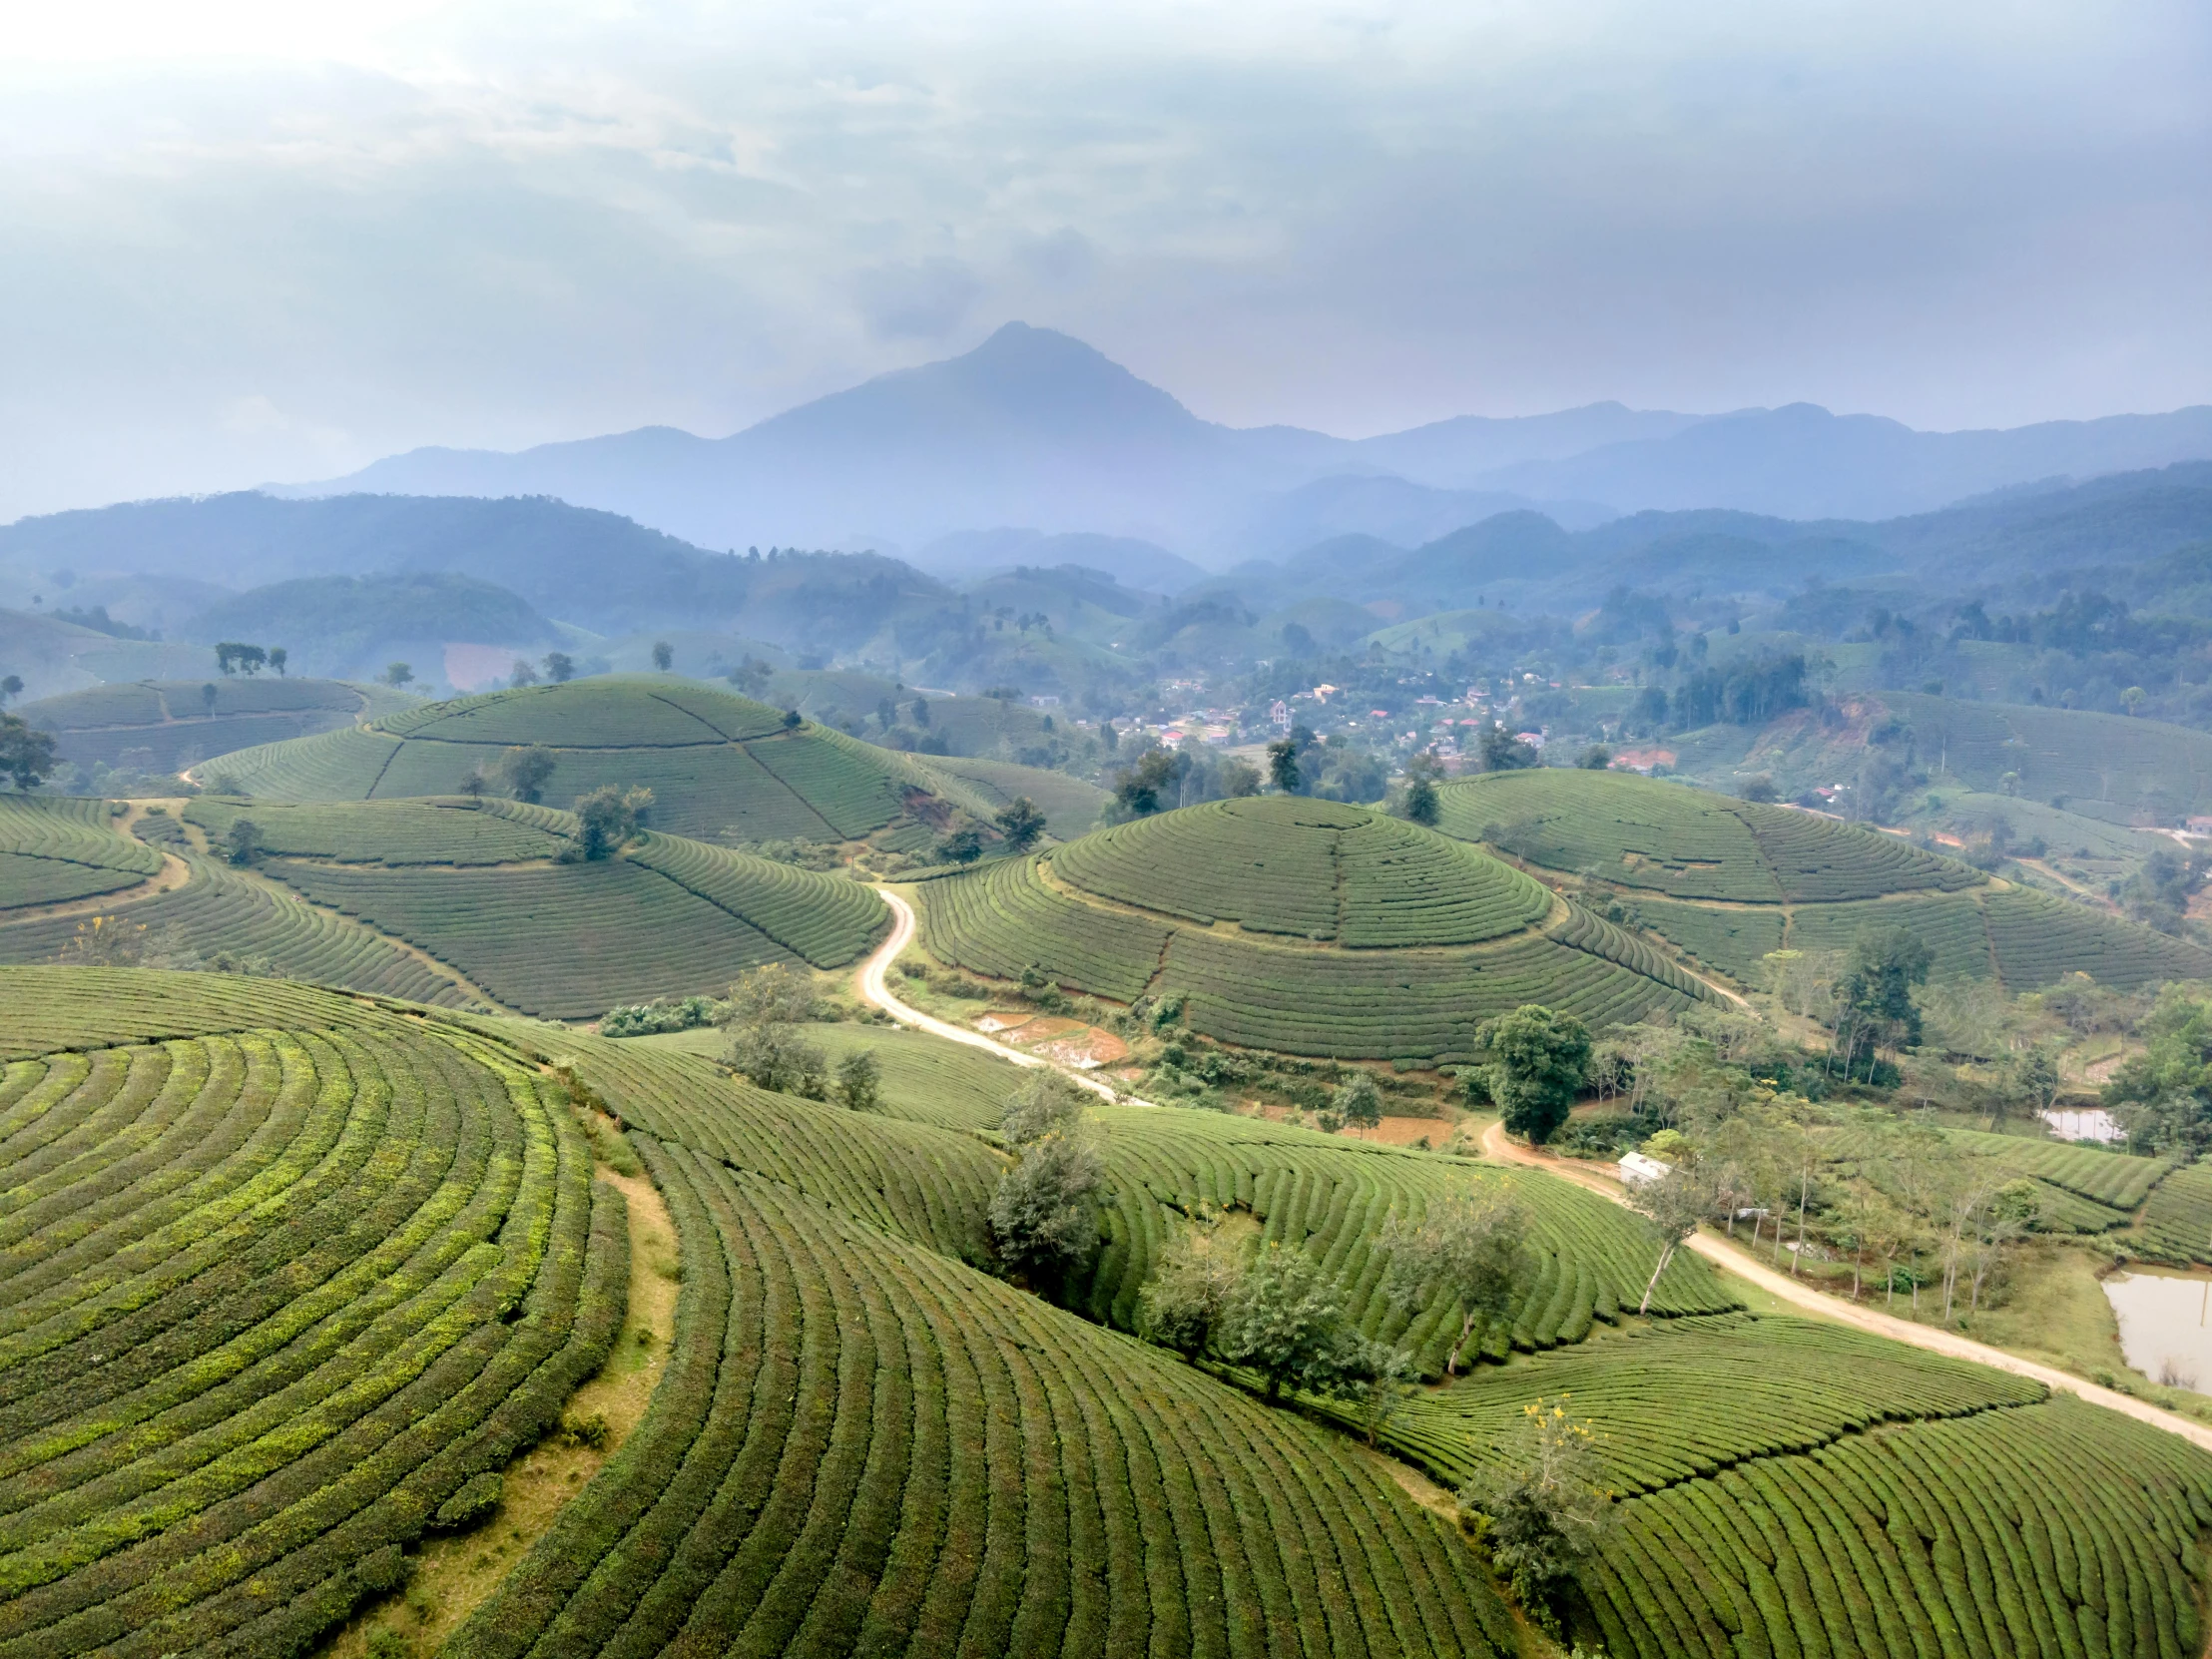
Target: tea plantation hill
column 1728, row 882
column 286, row 1278
column 293, row 1275
column 1304, row 927
column 720, row 766
column 450, row 901
column 1758, row 1512
column 162, row 725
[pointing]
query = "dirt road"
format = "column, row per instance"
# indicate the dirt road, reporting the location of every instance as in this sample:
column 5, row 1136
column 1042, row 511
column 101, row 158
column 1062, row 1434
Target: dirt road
column 873, row 985
column 1497, row 1144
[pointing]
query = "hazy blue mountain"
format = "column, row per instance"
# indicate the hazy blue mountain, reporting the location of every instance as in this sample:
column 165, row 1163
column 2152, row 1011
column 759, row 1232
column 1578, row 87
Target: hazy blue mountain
column 1803, row 462
column 1392, row 508
column 968, row 554
column 1453, row 454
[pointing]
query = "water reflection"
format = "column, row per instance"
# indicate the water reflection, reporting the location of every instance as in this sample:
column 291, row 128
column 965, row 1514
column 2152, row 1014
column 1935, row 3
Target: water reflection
column 2165, row 1325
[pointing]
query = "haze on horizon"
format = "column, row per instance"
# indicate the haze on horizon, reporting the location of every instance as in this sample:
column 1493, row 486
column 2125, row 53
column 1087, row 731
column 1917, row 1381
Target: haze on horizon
column 263, row 243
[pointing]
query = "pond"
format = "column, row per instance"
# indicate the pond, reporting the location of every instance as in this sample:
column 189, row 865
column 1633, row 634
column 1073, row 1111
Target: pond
column 2165, row 1325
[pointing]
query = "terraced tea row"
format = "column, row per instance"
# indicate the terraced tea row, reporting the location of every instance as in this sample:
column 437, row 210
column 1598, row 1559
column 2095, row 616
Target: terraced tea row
column 1684, row 842
column 2054, row 1529
column 2177, row 1218
column 861, row 1447
column 1329, row 1197
column 1360, row 998
column 271, row 1296
column 720, row 766
column 53, row 849
column 1688, row 1399
column 1310, row 868
column 219, row 912
column 454, row 831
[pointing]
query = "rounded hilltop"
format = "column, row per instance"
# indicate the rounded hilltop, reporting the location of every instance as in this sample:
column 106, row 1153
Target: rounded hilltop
column 719, row 764
column 1300, row 926
column 1730, row 881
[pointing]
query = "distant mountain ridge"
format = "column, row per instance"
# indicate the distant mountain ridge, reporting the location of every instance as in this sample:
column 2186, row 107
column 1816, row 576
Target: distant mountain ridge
column 1035, row 428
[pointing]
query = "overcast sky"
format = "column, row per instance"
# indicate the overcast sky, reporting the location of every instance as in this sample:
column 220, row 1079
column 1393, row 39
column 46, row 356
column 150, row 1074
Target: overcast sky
column 243, row 239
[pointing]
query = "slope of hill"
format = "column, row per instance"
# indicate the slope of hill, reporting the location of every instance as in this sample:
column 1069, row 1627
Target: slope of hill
column 481, row 889
column 352, row 626
column 53, row 658
column 1729, row 882
column 54, row 850
column 720, row 766
column 291, row 1277
column 1070, row 806
column 1296, row 925
column 161, row 726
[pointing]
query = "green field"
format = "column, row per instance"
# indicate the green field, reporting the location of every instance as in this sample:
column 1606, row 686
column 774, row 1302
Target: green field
column 53, row 849
column 2107, row 767
column 1727, row 882
column 478, row 889
column 284, row 1272
column 1069, row 804
column 163, row 725
column 926, row 1079
column 1203, row 904
column 720, row 767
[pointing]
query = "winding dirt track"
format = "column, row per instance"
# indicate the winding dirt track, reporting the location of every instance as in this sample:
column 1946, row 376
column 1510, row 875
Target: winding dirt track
column 873, row 985
column 1497, row 1144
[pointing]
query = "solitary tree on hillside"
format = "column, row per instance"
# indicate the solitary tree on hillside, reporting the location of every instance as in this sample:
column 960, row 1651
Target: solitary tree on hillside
column 560, row 666
column 527, row 770
column 1596, row 758
column 1283, row 766
column 1285, row 1322
column 278, row 658
column 886, row 714
column 522, row 674
column 1674, row 1204
column 1503, row 750
column 607, row 820
column 1043, row 1103
column 1467, row 1248
column 859, row 1081
column 761, row 1016
column 206, row 699
column 1534, row 1062
column 1044, row 1210
column 397, row 675
column 1185, row 1300
column 1239, row 777
column 1358, row 1102
column 26, row 754
column 664, row 655
column 1542, row 1511
column 1422, row 772
column 921, row 711
column 474, row 783
column 10, row 686
column 962, row 846
column 242, row 842
column 792, row 720
column 1020, row 824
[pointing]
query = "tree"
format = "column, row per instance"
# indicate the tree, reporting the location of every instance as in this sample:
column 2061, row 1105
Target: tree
column 608, row 819
column 278, row 658
column 474, row 783
column 398, row 674
column 233, row 656
column 1759, row 788
column 962, row 846
column 1674, row 1205
column 207, row 700
column 1596, row 758
column 664, row 655
column 1421, row 773
column 1185, row 1300
column 859, row 1081
column 1467, row 1248
column 1358, row 1102
column 1020, row 823
column 26, row 754
column 777, row 993
column 526, row 771
column 1283, row 769
column 560, row 666
column 1874, row 1008
column 11, row 685
column 921, row 713
column 792, row 720
column 2133, row 699
column 1238, row 778
column 1044, row 1210
column 1043, row 1103
column 1542, row 1511
column 522, row 674
column 777, row 1057
column 1535, row 1061
column 886, row 714
column 1503, row 750
column 1150, row 784
column 242, row 842
column 1284, row 1321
